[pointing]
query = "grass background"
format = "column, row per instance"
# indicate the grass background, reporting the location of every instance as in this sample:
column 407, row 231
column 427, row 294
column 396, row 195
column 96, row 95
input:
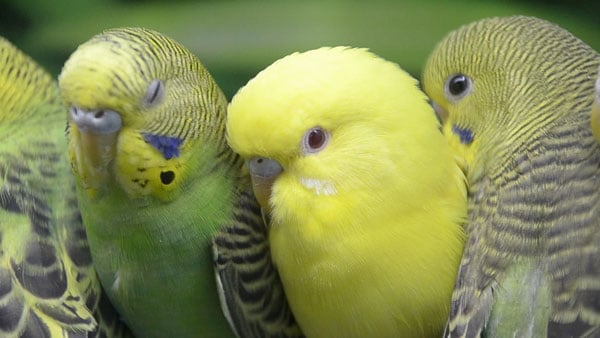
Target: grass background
column 236, row 39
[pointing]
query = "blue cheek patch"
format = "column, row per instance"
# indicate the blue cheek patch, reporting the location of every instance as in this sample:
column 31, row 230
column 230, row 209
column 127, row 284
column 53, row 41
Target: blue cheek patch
column 465, row 135
column 167, row 145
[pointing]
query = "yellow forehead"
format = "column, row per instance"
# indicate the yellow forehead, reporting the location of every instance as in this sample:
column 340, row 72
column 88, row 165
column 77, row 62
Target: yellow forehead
column 327, row 87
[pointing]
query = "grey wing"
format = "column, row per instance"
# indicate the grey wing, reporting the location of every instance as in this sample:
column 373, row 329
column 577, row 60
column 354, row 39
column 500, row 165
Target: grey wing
column 48, row 285
column 40, row 294
column 251, row 293
column 558, row 186
column 574, row 244
column 472, row 298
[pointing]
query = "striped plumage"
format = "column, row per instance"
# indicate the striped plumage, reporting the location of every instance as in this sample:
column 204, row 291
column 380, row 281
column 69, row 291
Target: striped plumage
column 251, row 293
column 155, row 177
column 520, row 120
column 48, row 287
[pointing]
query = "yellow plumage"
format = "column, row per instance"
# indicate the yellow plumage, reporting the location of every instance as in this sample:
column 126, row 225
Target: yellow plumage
column 365, row 231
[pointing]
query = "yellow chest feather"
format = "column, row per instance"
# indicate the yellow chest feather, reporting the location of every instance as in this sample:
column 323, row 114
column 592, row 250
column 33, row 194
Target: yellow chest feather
column 373, row 283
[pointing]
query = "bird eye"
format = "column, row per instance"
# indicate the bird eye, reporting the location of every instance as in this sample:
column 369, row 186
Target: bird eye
column 315, row 140
column 458, row 86
column 154, row 93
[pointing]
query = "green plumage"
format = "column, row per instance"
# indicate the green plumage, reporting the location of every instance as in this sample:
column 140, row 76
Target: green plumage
column 156, row 179
column 48, row 287
column 531, row 266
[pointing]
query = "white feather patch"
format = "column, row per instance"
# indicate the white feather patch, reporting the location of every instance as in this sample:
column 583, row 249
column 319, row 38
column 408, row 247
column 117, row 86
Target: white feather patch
column 320, row 187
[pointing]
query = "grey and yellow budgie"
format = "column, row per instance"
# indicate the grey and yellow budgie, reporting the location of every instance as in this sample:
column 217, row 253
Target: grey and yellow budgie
column 48, row 286
column 515, row 94
column 156, row 181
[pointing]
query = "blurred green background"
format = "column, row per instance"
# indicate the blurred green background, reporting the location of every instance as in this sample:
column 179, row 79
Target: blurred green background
column 236, row 39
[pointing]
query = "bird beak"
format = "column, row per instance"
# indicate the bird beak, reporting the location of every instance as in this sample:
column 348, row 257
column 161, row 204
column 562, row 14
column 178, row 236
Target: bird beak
column 263, row 172
column 461, row 160
column 97, row 131
column 441, row 112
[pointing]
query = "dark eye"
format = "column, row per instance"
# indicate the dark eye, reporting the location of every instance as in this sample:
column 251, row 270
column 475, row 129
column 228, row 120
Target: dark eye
column 458, row 86
column 154, row 93
column 315, row 139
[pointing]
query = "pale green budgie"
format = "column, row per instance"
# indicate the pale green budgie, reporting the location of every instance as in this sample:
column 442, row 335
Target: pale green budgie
column 515, row 94
column 156, row 180
column 48, row 286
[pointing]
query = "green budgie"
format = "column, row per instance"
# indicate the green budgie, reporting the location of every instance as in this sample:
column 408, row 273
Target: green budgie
column 156, row 181
column 48, row 286
column 515, row 94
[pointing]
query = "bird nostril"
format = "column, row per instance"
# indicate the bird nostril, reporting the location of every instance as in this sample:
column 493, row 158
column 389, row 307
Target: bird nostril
column 99, row 114
column 259, row 161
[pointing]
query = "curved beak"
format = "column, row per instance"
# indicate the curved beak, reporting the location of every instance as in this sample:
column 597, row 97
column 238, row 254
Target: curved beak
column 97, row 132
column 461, row 160
column 263, row 172
column 441, row 112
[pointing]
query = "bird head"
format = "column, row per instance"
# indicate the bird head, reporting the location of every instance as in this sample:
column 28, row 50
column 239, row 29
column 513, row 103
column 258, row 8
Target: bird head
column 139, row 104
column 331, row 132
column 498, row 84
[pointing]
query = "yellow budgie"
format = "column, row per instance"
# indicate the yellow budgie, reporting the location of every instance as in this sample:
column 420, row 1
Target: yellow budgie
column 516, row 94
column 364, row 196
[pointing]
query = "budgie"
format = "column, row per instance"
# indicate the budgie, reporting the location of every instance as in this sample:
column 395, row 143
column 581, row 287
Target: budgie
column 516, row 94
column 364, row 199
column 48, row 286
column 156, row 179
